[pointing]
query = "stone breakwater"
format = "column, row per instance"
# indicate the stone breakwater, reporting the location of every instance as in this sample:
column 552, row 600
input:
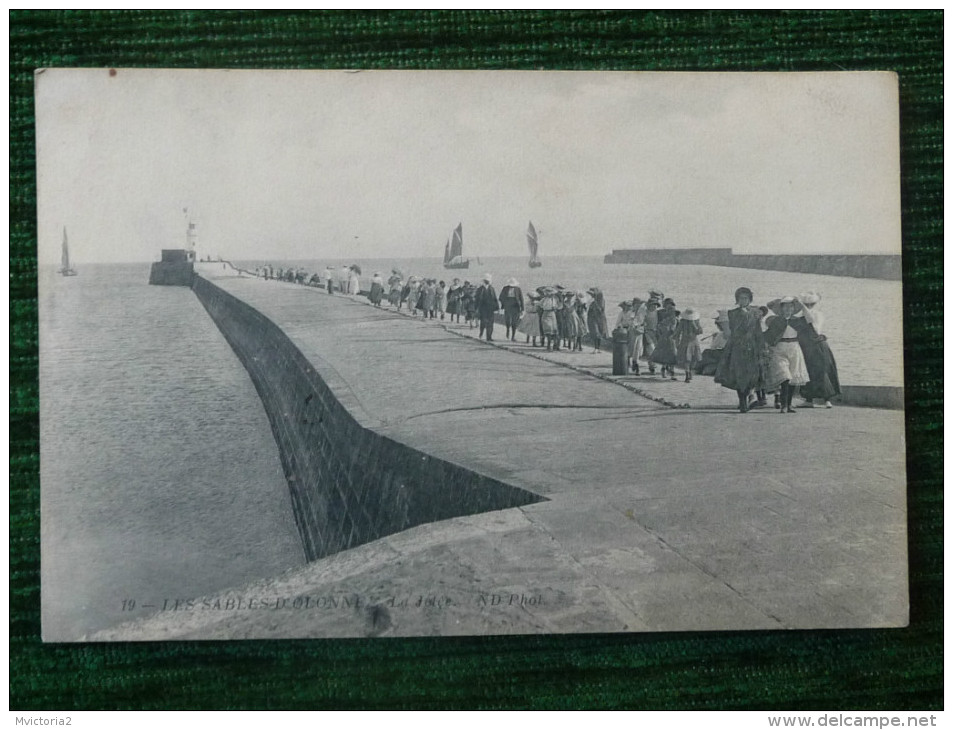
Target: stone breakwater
column 349, row 485
column 654, row 518
column 868, row 266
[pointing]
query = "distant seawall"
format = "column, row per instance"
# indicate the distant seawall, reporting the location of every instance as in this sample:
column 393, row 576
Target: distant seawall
column 349, row 485
column 872, row 266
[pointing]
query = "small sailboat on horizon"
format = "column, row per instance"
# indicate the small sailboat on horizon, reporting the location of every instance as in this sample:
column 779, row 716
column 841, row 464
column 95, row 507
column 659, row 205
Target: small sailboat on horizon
column 533, row 241
column 65, row 268
column 453, row 251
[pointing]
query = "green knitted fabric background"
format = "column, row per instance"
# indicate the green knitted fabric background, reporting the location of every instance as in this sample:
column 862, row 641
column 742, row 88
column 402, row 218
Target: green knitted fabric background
column 896, row 669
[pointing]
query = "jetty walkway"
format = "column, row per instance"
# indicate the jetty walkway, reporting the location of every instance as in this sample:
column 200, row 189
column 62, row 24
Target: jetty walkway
column 657, row 517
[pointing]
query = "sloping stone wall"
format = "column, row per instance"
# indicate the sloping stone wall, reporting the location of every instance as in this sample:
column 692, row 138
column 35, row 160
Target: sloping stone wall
column 349, row 485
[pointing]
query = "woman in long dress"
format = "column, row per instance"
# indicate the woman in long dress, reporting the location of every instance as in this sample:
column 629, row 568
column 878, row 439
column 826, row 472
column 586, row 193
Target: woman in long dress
column 741, row 367
column 548, row 326
column 469, row 303
column 396, row 284
column 786, row 368
column 580, row 308
column 377, row 289
column 441, row 301
column 428, row 298
column 650, row 331
column 688, row 342
column 664, row 353
column 569, row 329
column 823, row 380
column 529, row 324
column 596, row 318
column 455, row 300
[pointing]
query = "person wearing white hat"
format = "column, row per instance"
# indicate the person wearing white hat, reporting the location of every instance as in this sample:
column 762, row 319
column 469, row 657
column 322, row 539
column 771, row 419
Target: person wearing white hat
column 687, row 343
column 577, row 312
column 823, row 380
column 786, row 369
column 413, row 294
column 343, row 277
column 511, row 298
column 548, row 326
column 719, row 339
column 529, row 324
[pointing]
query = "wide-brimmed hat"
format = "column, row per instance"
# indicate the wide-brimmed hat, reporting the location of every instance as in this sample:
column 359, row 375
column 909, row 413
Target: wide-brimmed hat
column 512, row 281
column 624, row 303
column 810, row 297
column 775, row 304
column 488, row 278
column 690, row 314
column 656, row 294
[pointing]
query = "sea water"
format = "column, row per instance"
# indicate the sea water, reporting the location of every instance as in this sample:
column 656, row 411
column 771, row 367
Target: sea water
column 160, row 478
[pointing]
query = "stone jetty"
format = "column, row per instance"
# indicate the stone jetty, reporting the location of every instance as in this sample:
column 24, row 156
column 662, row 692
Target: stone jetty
column 644, row 515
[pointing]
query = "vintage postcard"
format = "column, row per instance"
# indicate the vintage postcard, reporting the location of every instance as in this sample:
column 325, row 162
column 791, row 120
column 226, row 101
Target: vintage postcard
column 403, row 353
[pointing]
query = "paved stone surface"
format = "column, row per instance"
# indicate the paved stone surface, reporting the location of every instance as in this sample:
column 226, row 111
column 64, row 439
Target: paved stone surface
column 658, row 518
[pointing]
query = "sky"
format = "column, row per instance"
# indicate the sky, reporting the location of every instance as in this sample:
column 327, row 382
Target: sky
column 280, row 165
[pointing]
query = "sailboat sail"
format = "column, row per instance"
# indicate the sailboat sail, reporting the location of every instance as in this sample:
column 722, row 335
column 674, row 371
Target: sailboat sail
column 533, row 241
column 453, row 253
column 65, row 268
column 456, row 247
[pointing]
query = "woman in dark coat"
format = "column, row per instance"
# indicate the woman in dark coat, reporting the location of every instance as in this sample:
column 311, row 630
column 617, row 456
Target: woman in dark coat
column 742, row 364
column 511, row 299
column 377, row 289
column 455, row 300
column 664, row 353
column 596, row 318
column 469, row 303
column 824, row 382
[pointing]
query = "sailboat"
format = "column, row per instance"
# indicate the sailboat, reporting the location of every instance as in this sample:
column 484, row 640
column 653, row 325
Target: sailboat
column 533, row 241
column 65, row 268
column 453, row 252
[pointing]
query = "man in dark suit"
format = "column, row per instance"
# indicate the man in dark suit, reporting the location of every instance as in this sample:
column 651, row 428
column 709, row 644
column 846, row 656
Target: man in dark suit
column 487, row 306
column 511, row 299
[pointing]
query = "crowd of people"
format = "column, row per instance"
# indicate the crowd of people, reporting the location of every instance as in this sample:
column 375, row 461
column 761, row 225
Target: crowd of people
column 778, row 348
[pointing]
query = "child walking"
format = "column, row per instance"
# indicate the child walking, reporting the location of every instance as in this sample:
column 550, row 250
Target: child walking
column 687, row 341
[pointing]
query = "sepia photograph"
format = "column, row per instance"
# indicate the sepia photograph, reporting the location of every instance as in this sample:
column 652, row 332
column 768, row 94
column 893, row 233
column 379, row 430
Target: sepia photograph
column 331, row 354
